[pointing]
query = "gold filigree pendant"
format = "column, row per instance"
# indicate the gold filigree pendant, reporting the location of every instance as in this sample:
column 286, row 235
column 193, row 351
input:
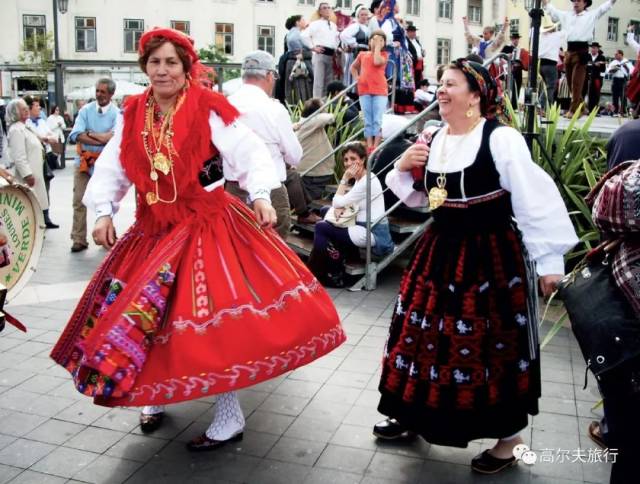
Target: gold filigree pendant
column 151, row 198
column 438, row 194
column 161, row 163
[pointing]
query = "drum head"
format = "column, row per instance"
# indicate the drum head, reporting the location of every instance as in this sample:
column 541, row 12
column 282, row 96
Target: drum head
column 21, row 236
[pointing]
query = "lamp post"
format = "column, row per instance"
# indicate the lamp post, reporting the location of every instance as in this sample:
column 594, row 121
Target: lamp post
column 58, row 6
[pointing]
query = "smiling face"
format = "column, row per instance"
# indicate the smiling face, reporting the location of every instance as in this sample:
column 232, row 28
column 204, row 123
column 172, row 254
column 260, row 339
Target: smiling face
column 454, row 96
column 363, row 16
column 166, row 71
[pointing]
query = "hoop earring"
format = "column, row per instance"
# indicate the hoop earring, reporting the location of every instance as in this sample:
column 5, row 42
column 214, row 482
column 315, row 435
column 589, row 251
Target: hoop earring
column 469, row 113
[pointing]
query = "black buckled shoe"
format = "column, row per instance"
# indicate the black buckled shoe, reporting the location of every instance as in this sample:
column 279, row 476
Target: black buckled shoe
column 485, row 463
column 390, row 429
column 150, row 422
column 205, row 444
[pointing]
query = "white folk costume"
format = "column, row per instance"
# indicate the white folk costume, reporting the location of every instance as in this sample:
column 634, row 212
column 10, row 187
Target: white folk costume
column 195, row 298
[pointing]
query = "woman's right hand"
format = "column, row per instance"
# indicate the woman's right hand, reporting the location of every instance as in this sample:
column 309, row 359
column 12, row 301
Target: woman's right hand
column 30, row 180
column 415, row 157
column 104, row 233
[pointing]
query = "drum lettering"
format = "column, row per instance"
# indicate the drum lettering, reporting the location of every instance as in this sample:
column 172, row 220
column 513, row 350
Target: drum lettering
column 22, row 257
column 13, row 202
column 12, row 231
column 25, row 232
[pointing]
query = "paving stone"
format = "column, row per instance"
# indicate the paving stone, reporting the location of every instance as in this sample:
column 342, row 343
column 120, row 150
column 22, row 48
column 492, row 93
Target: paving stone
column 269, row 422
column 347, row 459
column 31, row 348
column 55, row 431
column 558, row 390
column 276, row 472
column 349, row 379
column 284, row 404
column 364, row 416
column 311, row 429
column 563, row 406
column 337, row 393
column 298, row 388
column 108, row 470
column 6, row 440
column 7, row 473
column 119, row 419
column 12, row 377
column 357, row 365
column 329, row 361
column 82, row 412
column 29, row 402
column 191, row 410
column 558, row 423
column 136, row 447
column 41, row 384
column 309, row 373
column 257, row 444
column 19, row 424
column 31, row 477
column 298, row 451
column 326, row 411
column 24, row 453
column 94, row 439
column 395, row 467
column 354, row 436
column 454, row 455
column 64, row 462
column 323, row 476
column 170, row 428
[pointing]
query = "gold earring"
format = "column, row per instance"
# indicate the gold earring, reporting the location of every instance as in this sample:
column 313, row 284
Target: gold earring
column 469, row 113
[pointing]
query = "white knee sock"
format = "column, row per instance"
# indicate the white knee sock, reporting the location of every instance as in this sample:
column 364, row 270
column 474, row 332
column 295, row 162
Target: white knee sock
column 228, row 419
column 152, row 409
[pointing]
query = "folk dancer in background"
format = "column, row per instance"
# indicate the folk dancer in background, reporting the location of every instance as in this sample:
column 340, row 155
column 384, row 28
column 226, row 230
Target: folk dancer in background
column 619, row 69
column 322, row 38
column 595, row 69
column 417, row 53
column 519, row 63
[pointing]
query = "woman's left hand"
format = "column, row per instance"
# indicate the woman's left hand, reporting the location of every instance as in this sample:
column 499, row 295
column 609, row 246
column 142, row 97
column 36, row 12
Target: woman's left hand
column 265, row 213
column 548, row 283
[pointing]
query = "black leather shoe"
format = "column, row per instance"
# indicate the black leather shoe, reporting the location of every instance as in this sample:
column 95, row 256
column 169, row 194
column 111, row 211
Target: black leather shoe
column 205, row 444
column 150, row 422
column 390, row 429
column 50, row 225
column 485, row 463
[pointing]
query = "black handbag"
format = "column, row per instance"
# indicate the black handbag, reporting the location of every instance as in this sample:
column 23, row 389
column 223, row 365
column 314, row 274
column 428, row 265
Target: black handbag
column 602, row 320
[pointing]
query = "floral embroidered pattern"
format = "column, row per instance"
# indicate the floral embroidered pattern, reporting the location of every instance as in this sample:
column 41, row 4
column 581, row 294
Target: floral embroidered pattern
column 253, row 371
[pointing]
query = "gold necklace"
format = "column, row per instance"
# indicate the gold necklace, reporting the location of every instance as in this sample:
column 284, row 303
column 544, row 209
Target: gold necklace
column 438, row 194
column 158, row 160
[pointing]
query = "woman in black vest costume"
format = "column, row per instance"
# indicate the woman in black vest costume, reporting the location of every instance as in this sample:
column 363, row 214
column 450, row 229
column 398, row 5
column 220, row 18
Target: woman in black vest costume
column 298, row 76
column 462, row 357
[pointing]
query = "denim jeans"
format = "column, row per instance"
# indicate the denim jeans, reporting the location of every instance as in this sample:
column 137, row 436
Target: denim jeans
column 373, row 107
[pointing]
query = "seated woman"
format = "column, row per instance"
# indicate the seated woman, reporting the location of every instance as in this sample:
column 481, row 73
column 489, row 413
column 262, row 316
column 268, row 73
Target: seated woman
column 331, row 242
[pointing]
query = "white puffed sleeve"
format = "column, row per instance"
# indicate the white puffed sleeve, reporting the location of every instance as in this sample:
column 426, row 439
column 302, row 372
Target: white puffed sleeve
column 401, row 184
column 245, row 156
column 109, row 183
column 537, row 205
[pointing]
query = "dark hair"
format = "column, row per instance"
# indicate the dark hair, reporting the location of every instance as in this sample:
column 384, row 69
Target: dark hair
column 52, row 109
column 620, row 51
column 334, row 87
column 157, row 42
column 424, row 82
column 375, row 4
column 291, row 21
column 440, row 71
column 475, row 58
column 485, row 88
column 378, row 32
column 358, row 148
column 31, row 99
column 310, row 106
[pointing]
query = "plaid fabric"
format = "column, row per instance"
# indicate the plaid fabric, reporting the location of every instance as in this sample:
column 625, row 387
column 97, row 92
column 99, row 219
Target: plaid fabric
column 616, row 213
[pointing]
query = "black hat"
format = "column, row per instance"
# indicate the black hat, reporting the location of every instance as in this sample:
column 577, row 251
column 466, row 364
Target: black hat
column 515, row 35
column 412, row 28
column 588, row 3
column 595, row 44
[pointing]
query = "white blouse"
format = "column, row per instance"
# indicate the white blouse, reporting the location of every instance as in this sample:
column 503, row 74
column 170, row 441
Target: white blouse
column 348, row 35
column 243, row 154
column 358, row 196
column 537, row 205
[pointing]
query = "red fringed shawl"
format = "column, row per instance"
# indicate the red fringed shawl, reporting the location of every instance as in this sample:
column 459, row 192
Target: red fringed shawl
column 192, row 142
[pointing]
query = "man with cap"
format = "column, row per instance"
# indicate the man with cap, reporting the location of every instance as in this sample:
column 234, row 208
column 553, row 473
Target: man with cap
column 551, row 40
column 619, row 69
column 417, row 53
column 595, row 70
column 579, row 25
column 321, row 36
column 519, row 63
column 270, row 120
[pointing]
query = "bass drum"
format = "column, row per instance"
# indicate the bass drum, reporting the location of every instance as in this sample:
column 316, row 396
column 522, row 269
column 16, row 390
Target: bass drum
column 21, row 236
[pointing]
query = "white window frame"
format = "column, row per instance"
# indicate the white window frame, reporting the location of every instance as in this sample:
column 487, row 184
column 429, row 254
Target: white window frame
column 86, row 29
column 413, row 7
column 132, row 33
column 474, row 12
column 33, row 26
column 186, row 23
column 445, row 9
column 613, row 28
column 441, row 44
column 224, row 39
column 263, row 40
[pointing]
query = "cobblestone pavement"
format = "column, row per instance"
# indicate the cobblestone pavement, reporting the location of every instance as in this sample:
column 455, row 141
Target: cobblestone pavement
column 310, row 426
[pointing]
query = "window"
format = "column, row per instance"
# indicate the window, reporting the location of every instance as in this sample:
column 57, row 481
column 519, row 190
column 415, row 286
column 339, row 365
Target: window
column 85, row 34
column 306, row 2
column 514, row 25
column 34, row 30
column 224, row 38
column 181, row 25
column 443, row 55
column 445, row 9
column 413, row 7
column 528, row 4
column 339, row 3
column 133, row 29
column 612, row 29
column 636, row 33
column 266, row 38
column 475, row 11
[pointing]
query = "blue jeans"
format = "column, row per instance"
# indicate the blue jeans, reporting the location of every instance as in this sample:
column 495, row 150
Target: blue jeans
column 373, row 107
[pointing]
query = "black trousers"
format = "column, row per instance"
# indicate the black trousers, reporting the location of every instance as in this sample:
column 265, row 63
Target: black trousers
column 620, row 389
column 617, row 92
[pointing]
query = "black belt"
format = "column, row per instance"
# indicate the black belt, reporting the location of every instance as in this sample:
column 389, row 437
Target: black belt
column 327, row 51
column 548, row 62
column 577, row 46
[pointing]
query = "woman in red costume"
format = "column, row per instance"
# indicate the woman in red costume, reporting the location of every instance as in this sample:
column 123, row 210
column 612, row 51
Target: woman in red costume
column 200, row 296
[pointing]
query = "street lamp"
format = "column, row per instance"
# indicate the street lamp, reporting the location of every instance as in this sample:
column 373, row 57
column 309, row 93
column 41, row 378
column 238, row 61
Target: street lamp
column 58, row 6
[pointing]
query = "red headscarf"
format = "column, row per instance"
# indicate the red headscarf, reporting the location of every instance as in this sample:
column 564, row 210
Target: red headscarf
column 178, row 38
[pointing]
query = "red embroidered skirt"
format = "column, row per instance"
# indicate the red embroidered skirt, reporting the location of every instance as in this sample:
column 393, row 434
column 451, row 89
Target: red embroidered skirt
column 212, row 305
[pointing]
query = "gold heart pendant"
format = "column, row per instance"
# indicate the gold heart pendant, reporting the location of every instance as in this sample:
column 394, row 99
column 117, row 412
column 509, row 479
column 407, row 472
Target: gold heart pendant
column 437, row 197
column 161, row 163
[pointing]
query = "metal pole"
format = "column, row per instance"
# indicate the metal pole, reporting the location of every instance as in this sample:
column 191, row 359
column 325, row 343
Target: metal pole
column 531, row 98
column 59, row 87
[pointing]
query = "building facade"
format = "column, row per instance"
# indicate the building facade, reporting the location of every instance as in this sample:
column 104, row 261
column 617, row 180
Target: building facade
column 100, row 37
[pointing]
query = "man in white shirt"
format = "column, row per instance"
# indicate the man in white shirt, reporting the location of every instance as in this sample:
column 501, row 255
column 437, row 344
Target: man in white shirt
column 619, row 69
column 579, row 25
column 270, row 120
column 321, row 36
column 551, row 39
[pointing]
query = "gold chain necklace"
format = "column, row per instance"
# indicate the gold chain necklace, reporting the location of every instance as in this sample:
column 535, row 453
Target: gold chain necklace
column 438, row 194
column 157, row 159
